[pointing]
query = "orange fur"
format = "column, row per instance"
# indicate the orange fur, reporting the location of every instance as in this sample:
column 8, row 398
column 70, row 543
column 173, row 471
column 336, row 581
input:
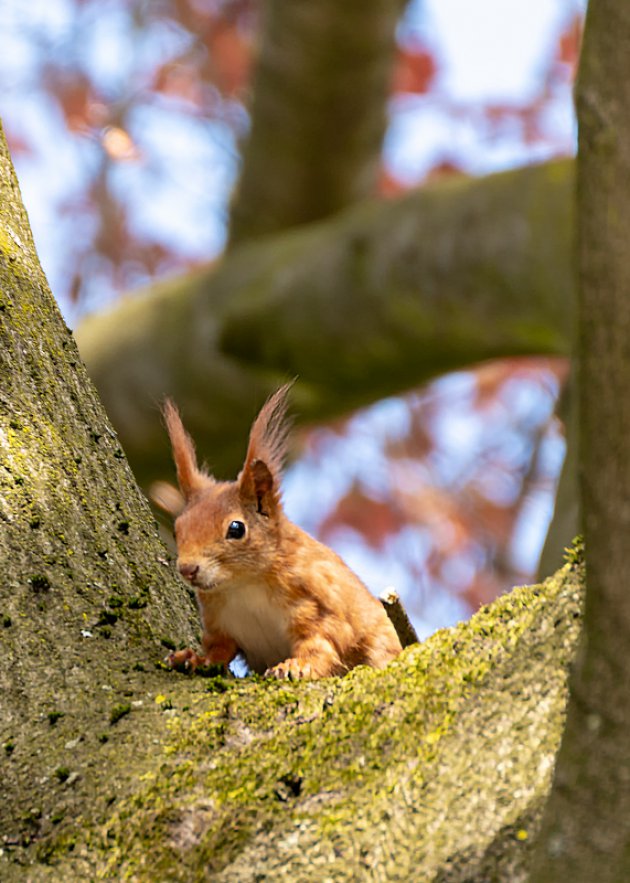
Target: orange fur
column 286, row 601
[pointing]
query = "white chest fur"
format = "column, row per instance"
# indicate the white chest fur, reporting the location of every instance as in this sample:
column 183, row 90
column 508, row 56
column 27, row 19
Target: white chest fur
column 257, row 624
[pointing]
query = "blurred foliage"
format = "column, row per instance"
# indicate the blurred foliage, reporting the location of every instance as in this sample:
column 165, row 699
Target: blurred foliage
column 123, row 82
column 127, row 116
column 447, row 492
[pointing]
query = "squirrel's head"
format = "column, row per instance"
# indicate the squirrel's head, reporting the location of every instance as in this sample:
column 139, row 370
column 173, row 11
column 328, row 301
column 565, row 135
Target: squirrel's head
column 229, row 531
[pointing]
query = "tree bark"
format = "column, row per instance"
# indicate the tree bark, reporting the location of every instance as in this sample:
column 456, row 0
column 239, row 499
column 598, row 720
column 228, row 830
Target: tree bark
column 586, row 834
column 435, row 768
column 87, row 592
column 318, row 117
column 368, row 304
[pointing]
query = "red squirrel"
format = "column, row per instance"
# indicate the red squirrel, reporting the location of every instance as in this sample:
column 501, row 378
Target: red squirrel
column 265, row 588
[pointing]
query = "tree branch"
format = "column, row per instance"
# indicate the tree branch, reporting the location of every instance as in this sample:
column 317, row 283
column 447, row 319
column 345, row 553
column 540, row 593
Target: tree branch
column 367, row 304
column 433, row 769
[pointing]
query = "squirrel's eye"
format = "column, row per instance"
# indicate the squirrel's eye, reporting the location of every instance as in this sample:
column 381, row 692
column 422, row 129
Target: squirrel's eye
column 235, row 531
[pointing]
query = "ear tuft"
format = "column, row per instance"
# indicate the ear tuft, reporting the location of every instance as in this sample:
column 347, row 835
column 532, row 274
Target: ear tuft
column 260, row 478
column 189, row 477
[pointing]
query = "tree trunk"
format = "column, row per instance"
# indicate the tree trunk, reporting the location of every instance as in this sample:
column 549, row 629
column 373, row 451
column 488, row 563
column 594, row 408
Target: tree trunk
column 434, row 768
column 368, row 304
column 586, row 833
column 318, row 117
column 87, row 594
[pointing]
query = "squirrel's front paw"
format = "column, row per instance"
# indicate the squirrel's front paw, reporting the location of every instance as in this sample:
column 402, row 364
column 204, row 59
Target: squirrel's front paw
column 293, row 669
column 190, row 662
column 184, row 660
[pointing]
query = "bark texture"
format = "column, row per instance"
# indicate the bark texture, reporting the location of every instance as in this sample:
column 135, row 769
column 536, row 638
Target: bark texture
column 368, row 304
column 586, row 833
column 86, row 592
column 434, row 769
column 318, row 117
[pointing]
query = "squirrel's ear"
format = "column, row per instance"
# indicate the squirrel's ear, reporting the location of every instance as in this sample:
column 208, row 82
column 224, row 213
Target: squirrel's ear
column 259, row 481
column 258, row 488
column 189, row 477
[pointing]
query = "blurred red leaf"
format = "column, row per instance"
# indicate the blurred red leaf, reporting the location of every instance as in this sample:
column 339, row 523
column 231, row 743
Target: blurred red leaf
column 442, row 168
column 483, row 589
column 414, row 71
column 76, row 96
column 498, row 113
column 488, row 380
column 373, row 519
column 389, row 185
column 568, row 49
column 493, row 520
column 230, row 57
column 18, row 144
column 438, row 510
column 416, row 444
column 179, row 79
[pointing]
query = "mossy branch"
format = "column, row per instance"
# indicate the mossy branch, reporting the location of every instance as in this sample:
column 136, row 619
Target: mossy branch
column 364, row 305
column 433, row 769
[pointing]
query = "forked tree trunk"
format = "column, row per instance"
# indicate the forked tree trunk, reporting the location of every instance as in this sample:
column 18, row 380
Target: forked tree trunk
column 112, row 767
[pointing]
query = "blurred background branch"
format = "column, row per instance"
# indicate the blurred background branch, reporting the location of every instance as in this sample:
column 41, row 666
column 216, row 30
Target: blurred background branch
column 133, row 124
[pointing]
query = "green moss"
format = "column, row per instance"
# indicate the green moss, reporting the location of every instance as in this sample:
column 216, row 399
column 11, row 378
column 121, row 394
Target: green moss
column 119, row 711
column 39, row 582
column 218, row 684
column 12, row 245
column 574, row 555
column 137, row 602
column 247, row 762
column 107, row 618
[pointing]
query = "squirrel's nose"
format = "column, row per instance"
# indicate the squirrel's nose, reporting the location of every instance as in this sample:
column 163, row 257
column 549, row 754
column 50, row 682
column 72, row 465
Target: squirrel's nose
column 188, row 571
